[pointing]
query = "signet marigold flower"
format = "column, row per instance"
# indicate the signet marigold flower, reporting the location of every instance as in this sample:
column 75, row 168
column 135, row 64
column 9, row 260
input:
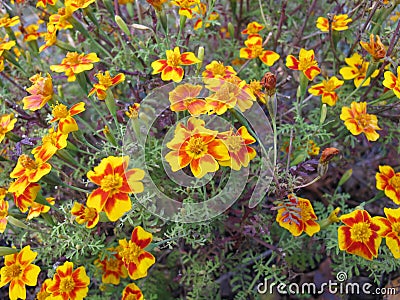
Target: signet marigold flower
column 392, row 82
column 197, row 147
column 239, row 151
column 339, row 23
column 115, row 183
column 75, row 63
column 77, row 4
column 302, row 221
column 133, row 111
column 157, row 4
column 3, row 215
column 186, row 7
column 256, row 88
column 357, row 70
column 132, row 291
column 326, row 89
column 105, row 82
column 87, row 215
column 306, row 63
column 43, row 3
column 51, row 143
column 5, row 44
column 43, row 294
column 68, row 283
column 19, row 271
column 254, row 49
column 50, row 37
column 184, row 97
column 216, row 69
column 7, row 123
column 170, row 68
column 360, row 234
column 392, row 230
column 6, row 21
column 375, row 48
column 41, row 92
column 112, row 267
column 64, row 116
column 60, row 20
column 25, row 199
column 389, row 182
column 36, row 208
column 358, row 121
column 136, row 260
column 31, row 32
column 253, row 29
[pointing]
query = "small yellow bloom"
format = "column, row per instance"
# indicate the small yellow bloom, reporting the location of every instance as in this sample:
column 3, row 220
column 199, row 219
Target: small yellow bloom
column 41, row 92
column 186, row 7
column 64, row 116
column 253, row 29
column 84, row 214
column 6, row 21
column 105, row 82
column 75, row 63
column 389, row 182
column 3, row 215
column 326, row 89
column 339, row 23
column 357, row 70
column 5, row 44
column 391, row 82
column 7, row 123
column 306, row 63
column 255, row 49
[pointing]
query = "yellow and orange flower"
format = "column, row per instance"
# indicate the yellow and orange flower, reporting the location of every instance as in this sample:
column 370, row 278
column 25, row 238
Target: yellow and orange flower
column 77, row 4
column 75, row 63
column 358, row 121
column 36, row 208
column 306, row 63
column 136, row 260
column 64, row 116
column 131, row 291
column 43, row 3
column 392, row 230
column 197, row 147
column 113, row 268
column 25, row 199
column 116, row 183
column 301, row 221
column 157, row 4
column 360, row 234
column 27, row 171
column 41, row 92
column 170, row 68
column 19, row 271
column 43, row 294
column 239, row 151
column 253, row 29
column 6, row 21
column 357, row 70
column 184, row 97
column 339, row 23
column 326, row 89
column 31, row 32
column 200, row 23
column 133, row 111
column 51, row 143
column 186, row 7
column 256, row 88
column 389, row 181
column 254, row 48
column 50, row 37
column 5, row 44
column 105, row 82
column 392, row 82
column 7, row 123
column 60, row 20
column 68, row 283
column 375, row 48
column 83, row 214
column 3, row 215
column 216, row 69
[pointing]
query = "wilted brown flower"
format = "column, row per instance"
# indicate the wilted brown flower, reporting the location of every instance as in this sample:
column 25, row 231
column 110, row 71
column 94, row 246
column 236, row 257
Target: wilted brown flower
column 269, row 83
column 375, row 48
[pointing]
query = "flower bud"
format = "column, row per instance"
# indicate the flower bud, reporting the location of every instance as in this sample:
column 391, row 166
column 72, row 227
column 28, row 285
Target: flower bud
column 269, row 83
column 122, row 25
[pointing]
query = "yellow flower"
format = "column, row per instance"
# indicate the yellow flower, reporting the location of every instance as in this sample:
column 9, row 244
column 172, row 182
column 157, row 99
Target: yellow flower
column 255, row 49
column 358, row 121
column 87, row 215
column 186, row 97
column 77, row 4
column 43, row 294
column 43, row 3
column 392, row 230
column 391, row 82
column 60, row 20
column 375, row 48
column 389, row 181
column 7, row 123
column 50, row 37
column 326, row 89
column 216, row 69
column 41, row 92
column 253, row 29
column 133, row 111
column 64, row 116
column 31, row 32
column 3, row 215
column 339, row 23
column 157, row 4
column 186, row 7
column 19, row 271
column 112, row 267
column 36, row 208
column 131, row 291
column 105, row 82
column 306, row 63
column 6, row 21
column 5, row 44
column 357, row 70
column 51, row 143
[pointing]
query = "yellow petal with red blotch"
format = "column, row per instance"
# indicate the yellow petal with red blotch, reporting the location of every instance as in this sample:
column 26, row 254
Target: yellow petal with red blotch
column 97, row 199
column 141, row 237
column 356, row 216
column 247, row 138
column 118, row 78
column 218, row 149
column 77, row 108
column 329, row 98
column 393, row 243
column 34, row 102
column 30, row 275
column 187, row 12
column 322, row 24
column 26, row 256
column 359, row 79
column 67, row 125
column 246, row 53
column 194, row 123
column 132, row 184
column 344, row 237
column 116, row 206
column 384, row 224
column 348, row 73
column 316, row 89
column 390, row 80
column 393, row 194
column 382, row 179
column 311, row 72
column 59, row 68
column 77, row 209
column 371, row 135
column 292, row 62
column 17, row 290
column 294, row 228
column 269, row 57
column 311, row 227
column 146, row 260
column 360, row 249
column 188, row 58
column 196, row 107
column 158, row 66
column 172, row 73
column 19, row 185
column 43, row 170
column 393, row 215
column 346, row 114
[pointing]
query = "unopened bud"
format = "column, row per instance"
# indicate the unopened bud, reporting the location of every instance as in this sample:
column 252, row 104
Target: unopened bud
column 200, row 56
column 122, row 25
column 231, row 30
column 269, row 83
column 324, row 111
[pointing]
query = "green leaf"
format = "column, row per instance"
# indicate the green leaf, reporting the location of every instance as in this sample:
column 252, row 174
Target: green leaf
column 7, row 251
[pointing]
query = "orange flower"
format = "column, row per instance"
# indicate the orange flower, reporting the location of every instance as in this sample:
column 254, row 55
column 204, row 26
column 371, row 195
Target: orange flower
column 186, row 7
column 6, row 21
column 41, row 92
column 357, row 70
column 27, row 171
column 170, row 68
column 339, row 23
column 392, row 82
column 358, row 121
column 77, row 4
column 326, row 89
column 305, row 63
column 43, row 3
column 199, row 23
column 131, row 291
column 196, row 146
column 256, row 88
column 133, row 111
column 105, row 82
column 255, row 49
column 253, row 29
column 115, row 182
column 69, row 284
column 375, row 48
column 75, row 63
column 3, row 215
column 157, row 4
column 31, row 32
column 50, row 37
column 87, row 215
column 217, row 69
column 60, row 20
column 184, row 97
column 359, row 235
column 25, row 199
column 19, row 271
column 66, row 122
column 43, row 294
column 236, row 142
column 392, row 230
column 37, row 208
column 112, row 267
column 5, row 44
column 135, row 258
column 53, row 141
column 301, row 221
column 389, row 181
column 7, row 123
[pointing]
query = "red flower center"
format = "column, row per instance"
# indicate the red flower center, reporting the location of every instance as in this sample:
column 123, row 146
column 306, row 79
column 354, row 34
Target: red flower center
column 67, row 285
column 395, row 181
column 361, row 232
column 13, row 271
